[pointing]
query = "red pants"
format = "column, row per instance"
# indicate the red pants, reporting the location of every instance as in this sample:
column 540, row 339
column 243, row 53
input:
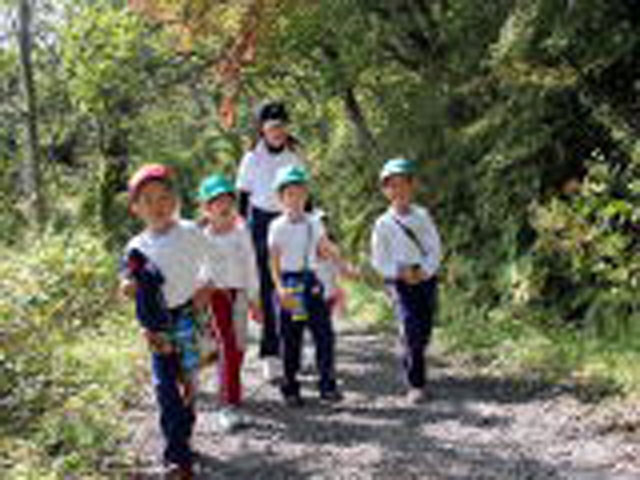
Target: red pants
column 231, row 354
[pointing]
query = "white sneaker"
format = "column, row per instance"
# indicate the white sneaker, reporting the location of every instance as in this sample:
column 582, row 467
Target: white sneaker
column 416, row 396
column 228, row 419
column 308, row 359
column 271, row 369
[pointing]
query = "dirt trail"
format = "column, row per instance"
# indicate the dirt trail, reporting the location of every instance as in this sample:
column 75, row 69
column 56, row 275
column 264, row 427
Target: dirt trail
column 474, row 427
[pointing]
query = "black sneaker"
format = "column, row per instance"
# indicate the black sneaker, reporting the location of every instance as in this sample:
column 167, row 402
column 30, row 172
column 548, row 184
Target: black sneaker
column 292, row 400
column 332, row 396
column 174, row 471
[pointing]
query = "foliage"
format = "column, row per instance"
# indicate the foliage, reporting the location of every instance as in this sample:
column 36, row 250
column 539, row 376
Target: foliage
column 522, row 115
column 68, row 356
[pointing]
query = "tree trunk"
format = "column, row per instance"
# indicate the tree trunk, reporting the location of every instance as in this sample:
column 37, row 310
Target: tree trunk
column 358, row 121
column 31, row 180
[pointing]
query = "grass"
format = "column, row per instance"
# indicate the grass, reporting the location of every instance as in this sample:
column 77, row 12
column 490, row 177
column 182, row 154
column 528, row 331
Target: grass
column 516, row 342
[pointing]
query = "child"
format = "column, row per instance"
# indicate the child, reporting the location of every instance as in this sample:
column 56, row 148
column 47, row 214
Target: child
column 296, row 240
column 167, row 271
column 328, row 272
column 274, row 149
column 406, row 252
column 238, row 289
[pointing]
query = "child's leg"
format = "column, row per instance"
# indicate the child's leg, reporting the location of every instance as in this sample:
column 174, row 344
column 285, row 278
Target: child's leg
column 324, row 339
column 231, row 354
column 414, row 308
column 291, row 335
column 176, row 418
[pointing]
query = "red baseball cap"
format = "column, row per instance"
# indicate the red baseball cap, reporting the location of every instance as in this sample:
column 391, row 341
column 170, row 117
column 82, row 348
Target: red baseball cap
column 146, row 173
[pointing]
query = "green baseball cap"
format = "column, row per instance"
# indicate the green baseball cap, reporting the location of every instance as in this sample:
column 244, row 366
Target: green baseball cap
column 397, row 166
column 214, row 186
column 290, row 175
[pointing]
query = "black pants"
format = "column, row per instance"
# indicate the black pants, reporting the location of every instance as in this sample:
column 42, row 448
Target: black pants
column 176, row 418
column 414, row 307
column 291, row 331
column 259, row 221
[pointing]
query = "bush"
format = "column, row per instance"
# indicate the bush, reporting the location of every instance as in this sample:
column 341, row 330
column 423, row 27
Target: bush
column 69, row 357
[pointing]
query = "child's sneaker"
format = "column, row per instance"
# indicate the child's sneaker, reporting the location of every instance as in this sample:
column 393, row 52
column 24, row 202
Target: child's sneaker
column 416, row 396
column 228, row 419
column 271, row 369
column 331, row 396
column 178, row 472
column 308, row 360
column 293, row 400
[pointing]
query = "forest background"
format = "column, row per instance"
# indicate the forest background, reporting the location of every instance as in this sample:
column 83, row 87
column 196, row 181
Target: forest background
column 523, row 115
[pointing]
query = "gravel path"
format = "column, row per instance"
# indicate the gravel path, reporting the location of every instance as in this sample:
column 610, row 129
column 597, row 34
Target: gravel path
column 474, row 427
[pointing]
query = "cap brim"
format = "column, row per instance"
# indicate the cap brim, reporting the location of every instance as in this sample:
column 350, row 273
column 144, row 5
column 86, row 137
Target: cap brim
column 273, row 124
column 214, row 195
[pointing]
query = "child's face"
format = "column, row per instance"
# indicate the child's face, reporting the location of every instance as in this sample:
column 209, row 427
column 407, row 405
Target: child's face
column 276, row 136
column 294, row 197
column 155, row 205
column 399, row 189
column 220, row 208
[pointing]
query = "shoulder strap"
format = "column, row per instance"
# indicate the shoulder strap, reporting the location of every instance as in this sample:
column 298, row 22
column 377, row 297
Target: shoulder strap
column 411, row 235
column 307, row 249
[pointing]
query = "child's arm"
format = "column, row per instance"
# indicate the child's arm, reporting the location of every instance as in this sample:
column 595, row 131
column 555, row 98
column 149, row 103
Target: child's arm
column 276, row 273
column 252, row 279
column 328, row 250
column 127, row 285
column 286, row 300
column 434, row 247
column 382, row 257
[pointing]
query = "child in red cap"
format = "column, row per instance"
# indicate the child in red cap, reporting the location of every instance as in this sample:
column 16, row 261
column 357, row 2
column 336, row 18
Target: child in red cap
column 168, row 264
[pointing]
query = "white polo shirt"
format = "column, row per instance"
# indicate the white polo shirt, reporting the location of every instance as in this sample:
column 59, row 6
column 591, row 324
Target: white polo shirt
column 296, row 240
column 257, row 173
column 183, row 255
column 391, row 247
column 237, row 267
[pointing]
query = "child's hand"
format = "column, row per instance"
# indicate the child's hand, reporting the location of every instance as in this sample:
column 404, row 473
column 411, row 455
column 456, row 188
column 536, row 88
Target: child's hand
column 202, row 297
column 287, row 300
column 411, row 275
column 157, row 342
column 255, row 312
column 127, row 288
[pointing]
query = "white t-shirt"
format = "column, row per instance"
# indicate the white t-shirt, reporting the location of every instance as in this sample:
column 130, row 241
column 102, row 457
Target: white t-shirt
column 184, row 257
column 392, row 248
column 296, row 240
column 257, row 173
column 237, row 266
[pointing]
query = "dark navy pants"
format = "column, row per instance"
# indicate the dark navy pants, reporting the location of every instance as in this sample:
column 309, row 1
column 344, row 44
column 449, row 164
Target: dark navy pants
column 259, row 221
column 414, row 307
column 291, row 333
column 176, row 418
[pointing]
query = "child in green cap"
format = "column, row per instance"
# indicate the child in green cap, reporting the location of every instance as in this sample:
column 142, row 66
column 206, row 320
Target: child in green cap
column 238, row 289
column 296, row 241
column 406, row 252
